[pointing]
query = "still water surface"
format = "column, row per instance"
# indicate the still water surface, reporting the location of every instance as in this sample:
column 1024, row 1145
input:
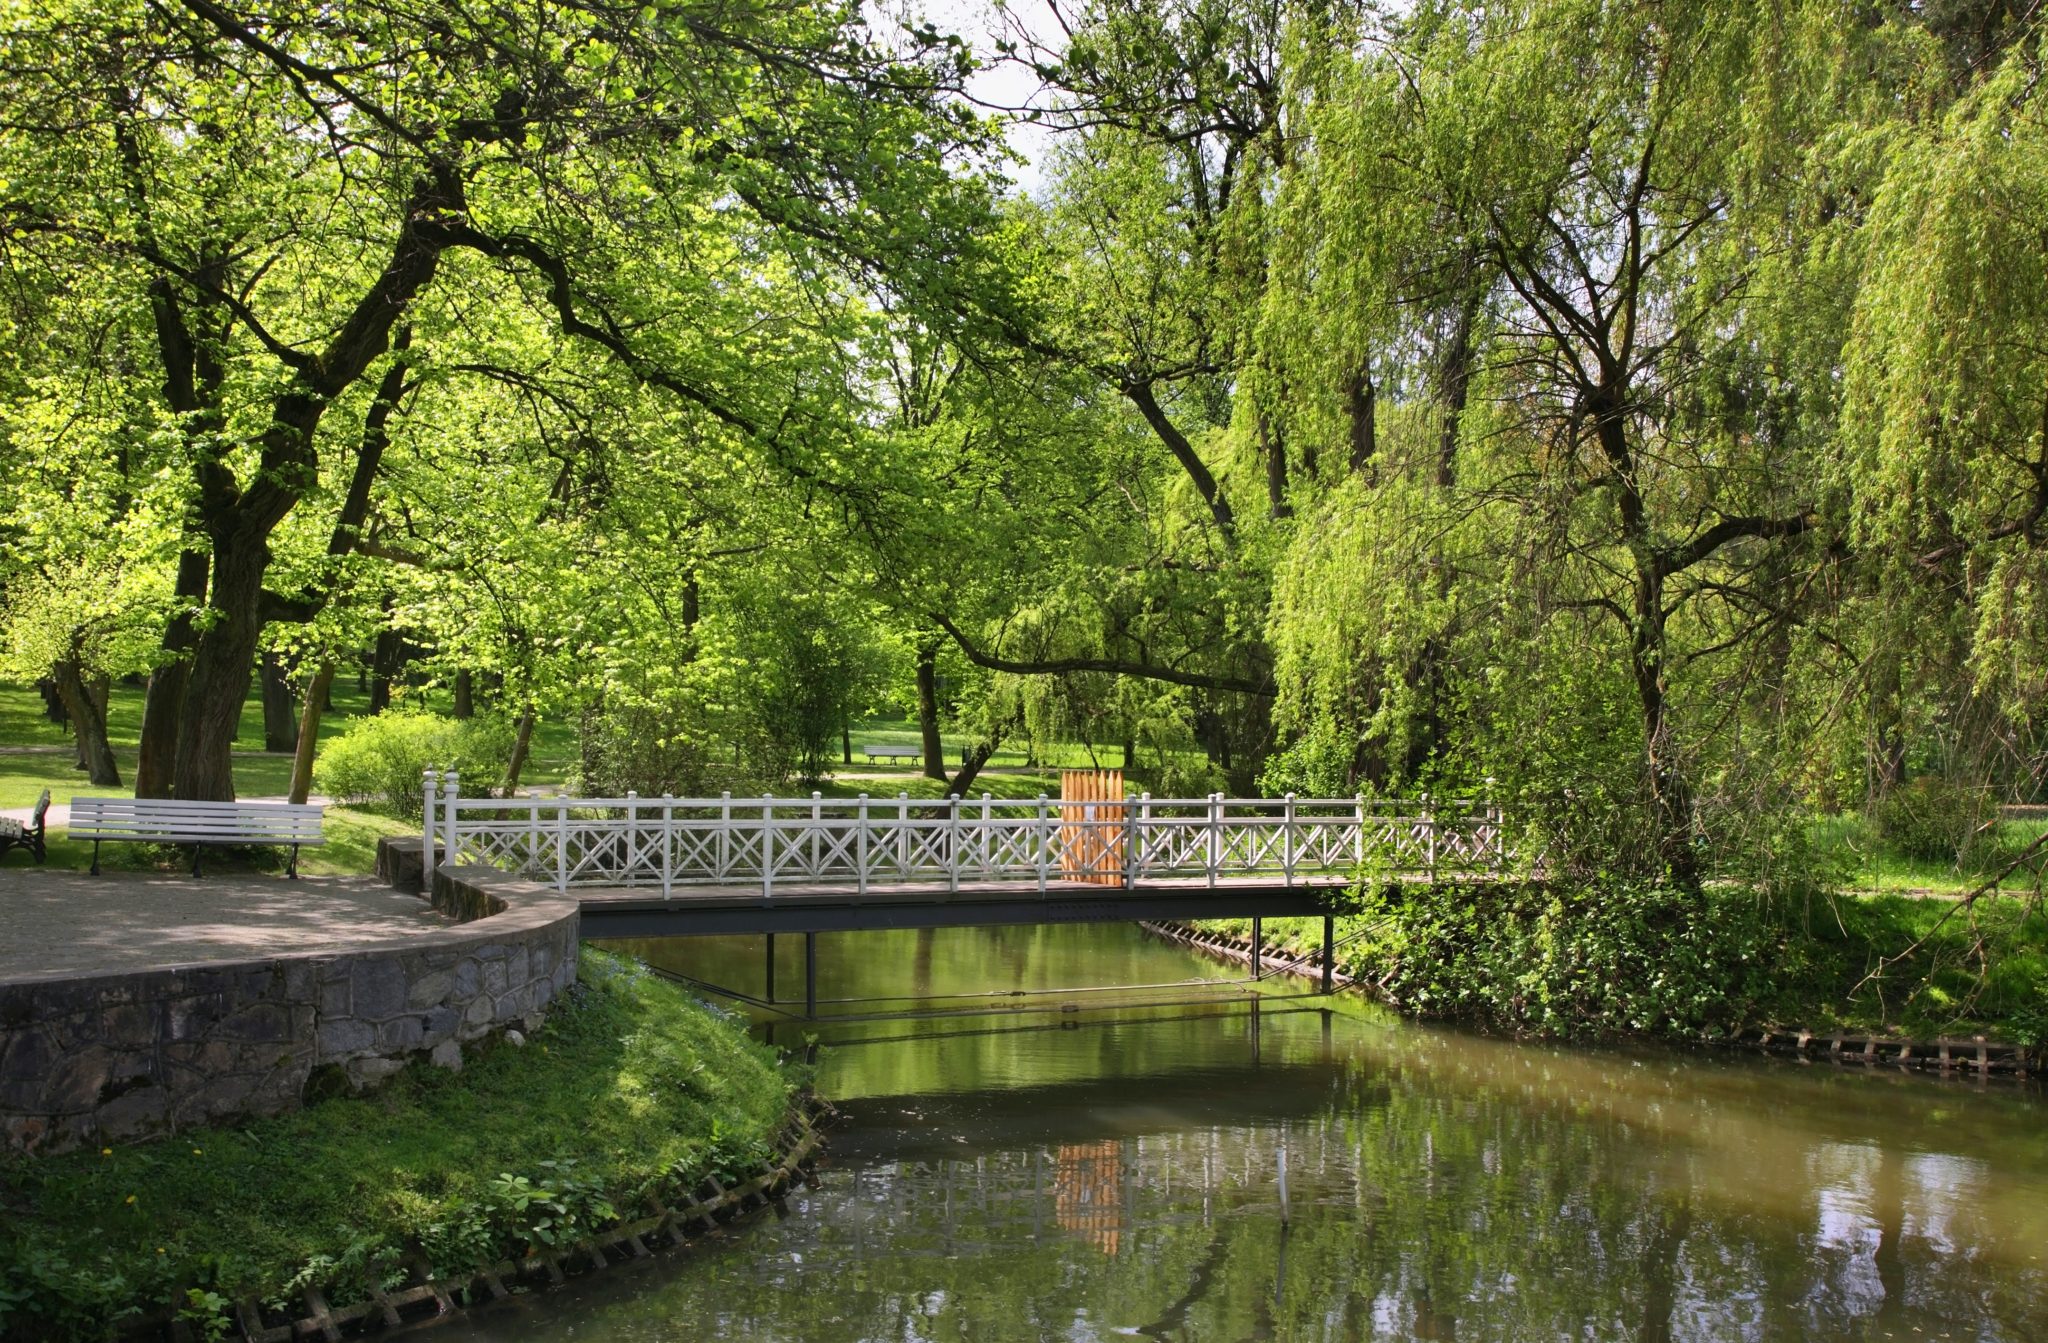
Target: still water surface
column 1089, row 1166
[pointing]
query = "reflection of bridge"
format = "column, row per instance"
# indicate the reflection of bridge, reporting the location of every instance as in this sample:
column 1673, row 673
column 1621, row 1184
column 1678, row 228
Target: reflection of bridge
column 651, row 867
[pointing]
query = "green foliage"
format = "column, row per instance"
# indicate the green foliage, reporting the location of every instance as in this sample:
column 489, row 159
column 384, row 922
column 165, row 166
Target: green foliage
column 1605, row 960
column 379, row 760
column 633, row 1091
column 1933, row 818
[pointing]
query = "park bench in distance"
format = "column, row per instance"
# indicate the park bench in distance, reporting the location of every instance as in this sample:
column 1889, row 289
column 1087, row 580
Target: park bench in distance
column 151, row 820
column 875, row 752
column 30, row 836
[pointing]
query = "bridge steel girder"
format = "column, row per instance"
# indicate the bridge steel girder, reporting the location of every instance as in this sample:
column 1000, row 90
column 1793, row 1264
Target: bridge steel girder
column 613, row 918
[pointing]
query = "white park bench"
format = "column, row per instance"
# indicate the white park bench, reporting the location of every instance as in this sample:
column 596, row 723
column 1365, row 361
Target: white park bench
column 151, row 820
column 29, row 834
column 875, row 752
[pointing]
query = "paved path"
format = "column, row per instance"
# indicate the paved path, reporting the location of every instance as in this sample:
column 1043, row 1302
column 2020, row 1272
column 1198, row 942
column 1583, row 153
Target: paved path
column 55, row 924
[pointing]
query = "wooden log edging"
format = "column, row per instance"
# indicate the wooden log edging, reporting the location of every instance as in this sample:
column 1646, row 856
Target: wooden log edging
column 425, row 1297
column 1224, row 947
column 1977, row 1054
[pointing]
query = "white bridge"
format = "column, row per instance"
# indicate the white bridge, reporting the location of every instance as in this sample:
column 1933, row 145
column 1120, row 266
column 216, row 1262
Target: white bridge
column 690, row 848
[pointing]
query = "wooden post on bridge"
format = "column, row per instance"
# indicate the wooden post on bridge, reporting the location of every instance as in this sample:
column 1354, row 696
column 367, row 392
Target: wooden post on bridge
column 1094, row 840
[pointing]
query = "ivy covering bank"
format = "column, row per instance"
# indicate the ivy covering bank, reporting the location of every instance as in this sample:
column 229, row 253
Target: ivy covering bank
column 632, row 1091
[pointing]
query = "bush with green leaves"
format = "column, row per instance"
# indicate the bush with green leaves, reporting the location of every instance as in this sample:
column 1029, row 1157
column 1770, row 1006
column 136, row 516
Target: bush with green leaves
column 378, row 761
column 1596, row 960
column 1932, row 817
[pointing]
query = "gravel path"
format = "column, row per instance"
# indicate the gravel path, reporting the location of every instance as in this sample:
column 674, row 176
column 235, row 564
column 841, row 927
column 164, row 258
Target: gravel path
column 55, row 924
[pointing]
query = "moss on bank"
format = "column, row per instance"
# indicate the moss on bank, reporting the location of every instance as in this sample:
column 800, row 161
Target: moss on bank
column 632, row 1091
column 1669, row 963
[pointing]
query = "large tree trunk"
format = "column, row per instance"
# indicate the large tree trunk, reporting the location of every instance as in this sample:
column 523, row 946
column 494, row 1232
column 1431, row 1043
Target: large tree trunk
column 386, row 664
column 53, row 703
column 280, row 707
column 163, row 701
column 465, row 695
column 1670, row 792
column 223, row 664
column 309, row 731
column 88, row 725
column 1275, row 452
column 928, row 711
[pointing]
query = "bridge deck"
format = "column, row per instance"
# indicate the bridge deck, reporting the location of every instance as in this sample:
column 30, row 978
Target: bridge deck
column 625, row 911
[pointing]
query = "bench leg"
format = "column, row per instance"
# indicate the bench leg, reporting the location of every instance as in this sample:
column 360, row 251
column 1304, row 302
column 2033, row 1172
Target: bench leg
column 95, row 858
column 291, row 870
column 198, row 851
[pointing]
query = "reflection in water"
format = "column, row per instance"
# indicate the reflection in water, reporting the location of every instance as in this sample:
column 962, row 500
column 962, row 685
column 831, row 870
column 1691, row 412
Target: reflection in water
column 1112, row 1172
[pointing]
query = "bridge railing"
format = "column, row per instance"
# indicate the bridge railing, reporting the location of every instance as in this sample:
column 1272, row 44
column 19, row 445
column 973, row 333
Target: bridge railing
column 667, row 843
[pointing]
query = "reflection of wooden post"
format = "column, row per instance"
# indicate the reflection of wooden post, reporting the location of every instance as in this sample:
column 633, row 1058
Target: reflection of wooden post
column 1093, row 837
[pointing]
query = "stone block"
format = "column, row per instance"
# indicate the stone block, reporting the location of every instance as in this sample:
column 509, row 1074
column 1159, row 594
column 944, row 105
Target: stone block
column 447, row 1054
column 142, row 1110
column 517, row 964
column 258, row 1023
column 441, row 1023
column 364, row 1073
column 74, row 1085
column 345, row 1036
column 400, row 1034
column 430, row 987
column 334, row 998
column 496, row 981
column 379, row 987
column 468, row 979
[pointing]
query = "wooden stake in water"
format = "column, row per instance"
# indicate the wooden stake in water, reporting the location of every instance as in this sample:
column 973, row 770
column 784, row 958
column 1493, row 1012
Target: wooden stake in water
column 1284, row 1217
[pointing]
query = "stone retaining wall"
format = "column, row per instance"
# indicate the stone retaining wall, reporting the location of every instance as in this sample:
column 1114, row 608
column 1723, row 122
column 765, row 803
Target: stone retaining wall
column 122, row 1055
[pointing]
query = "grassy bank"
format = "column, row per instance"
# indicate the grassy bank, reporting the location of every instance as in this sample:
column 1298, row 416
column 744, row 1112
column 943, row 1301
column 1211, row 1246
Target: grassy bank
column 632, row 1091
column 1665, row 964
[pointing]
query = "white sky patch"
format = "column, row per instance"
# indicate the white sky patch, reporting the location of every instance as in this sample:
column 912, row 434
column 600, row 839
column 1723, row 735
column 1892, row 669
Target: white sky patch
column 1004, row 88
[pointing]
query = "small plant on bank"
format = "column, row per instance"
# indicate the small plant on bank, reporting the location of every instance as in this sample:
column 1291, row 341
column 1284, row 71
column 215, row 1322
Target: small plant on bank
column 1933, row 818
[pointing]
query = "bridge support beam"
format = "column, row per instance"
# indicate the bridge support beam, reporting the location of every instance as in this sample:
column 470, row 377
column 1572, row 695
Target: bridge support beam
column 769, row 994
column 1329, row 953
column 1258, row 947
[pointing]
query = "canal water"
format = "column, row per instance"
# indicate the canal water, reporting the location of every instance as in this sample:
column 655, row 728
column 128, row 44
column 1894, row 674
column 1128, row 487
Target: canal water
column 1018, row 1164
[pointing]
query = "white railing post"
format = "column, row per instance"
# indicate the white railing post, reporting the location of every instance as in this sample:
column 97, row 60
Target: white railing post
column 1498, row 847
column 860, row 856
column 1215, row 845
column 952, row 841
column 668, row 844
column 723, row 871
column 1429, row 834
column 767, row 846
column 432, row 782
column 982, row 844
column 1358, row 842
column 562, row 845
column 1287, row 842
column 1130, row 844
column 632, row 833
column 1044, row 844
column 1145, row 847
column 816, row 838
column 903, row 836
column 451, row 789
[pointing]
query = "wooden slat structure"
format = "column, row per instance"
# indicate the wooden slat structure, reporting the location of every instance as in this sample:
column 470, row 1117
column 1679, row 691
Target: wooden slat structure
column 1094, row 839
column 148, row 820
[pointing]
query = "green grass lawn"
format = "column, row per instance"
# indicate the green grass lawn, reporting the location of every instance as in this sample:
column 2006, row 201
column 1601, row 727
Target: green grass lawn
column 632, row 1091
column 1867, row 865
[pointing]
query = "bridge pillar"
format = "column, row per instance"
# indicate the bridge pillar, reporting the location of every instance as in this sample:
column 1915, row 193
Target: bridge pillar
column 1329, row 952
column 1258, row 947
column 770, row 994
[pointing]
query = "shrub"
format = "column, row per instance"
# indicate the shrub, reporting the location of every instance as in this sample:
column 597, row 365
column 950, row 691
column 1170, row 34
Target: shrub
column 648, row 749
column 377, row 762
column 1596, row 960
column 1932, row 818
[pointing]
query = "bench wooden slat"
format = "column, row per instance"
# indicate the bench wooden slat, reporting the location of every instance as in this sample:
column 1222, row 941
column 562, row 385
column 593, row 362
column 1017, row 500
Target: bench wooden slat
column 172, row 821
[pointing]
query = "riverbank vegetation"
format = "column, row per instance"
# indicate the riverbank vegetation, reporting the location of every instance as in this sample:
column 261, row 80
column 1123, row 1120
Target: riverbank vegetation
column 632, row 1091
column 1632, row 412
